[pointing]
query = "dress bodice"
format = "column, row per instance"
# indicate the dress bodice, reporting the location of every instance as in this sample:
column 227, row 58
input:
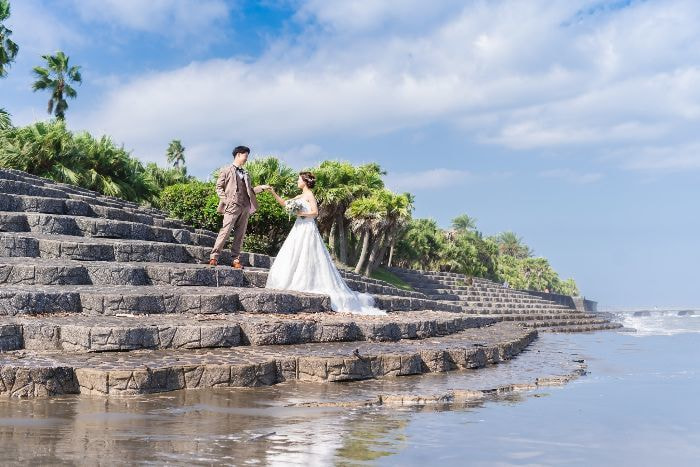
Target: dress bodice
column 306, row 207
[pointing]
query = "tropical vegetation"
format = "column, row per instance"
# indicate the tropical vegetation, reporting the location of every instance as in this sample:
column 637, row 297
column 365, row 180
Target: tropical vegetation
column 50, row 150
column 8, row 49
column 57, row 77
column 366, row 226
column 5, row 120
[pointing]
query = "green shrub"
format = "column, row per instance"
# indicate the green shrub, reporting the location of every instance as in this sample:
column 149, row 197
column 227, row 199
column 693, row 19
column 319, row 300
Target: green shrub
column 195, row 203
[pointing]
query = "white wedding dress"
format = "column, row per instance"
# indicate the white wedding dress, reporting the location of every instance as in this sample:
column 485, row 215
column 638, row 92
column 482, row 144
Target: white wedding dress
column 304, row 264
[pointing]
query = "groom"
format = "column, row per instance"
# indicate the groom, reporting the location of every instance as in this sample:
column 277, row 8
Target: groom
column 236, row 202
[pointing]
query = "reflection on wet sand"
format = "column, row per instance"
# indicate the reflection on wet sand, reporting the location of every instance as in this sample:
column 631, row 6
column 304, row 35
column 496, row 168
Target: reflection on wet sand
column 263, row 425
column 207, row 426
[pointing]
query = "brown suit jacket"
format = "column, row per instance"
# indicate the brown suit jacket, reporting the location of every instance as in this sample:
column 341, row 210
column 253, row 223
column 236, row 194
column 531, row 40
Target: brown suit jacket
column 227, row 189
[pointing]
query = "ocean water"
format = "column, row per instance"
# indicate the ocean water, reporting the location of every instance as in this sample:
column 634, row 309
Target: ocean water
column 637, row 405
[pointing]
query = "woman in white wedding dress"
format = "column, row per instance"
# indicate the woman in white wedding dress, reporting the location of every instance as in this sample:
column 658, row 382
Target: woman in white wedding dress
column 304, row 264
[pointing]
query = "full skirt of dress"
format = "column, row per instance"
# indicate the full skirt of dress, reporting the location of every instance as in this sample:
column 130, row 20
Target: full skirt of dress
column 304, row 264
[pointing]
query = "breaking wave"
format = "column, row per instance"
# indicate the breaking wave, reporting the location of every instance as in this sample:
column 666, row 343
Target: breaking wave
column 660, row 322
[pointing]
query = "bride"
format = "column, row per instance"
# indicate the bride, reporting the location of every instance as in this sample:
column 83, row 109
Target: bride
column 304, row 264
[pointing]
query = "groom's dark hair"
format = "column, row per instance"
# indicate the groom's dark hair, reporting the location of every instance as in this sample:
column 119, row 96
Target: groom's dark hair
column 241, row 149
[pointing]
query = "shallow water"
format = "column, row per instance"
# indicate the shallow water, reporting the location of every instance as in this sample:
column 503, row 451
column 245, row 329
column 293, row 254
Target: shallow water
column 637, row 406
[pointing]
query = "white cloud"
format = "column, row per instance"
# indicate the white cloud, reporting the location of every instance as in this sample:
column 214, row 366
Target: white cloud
column 662, row 158
column 524, row 75
column 426, row 179
column 572, row 176
column 300, row 157
column 178, row 19
column 37, row 31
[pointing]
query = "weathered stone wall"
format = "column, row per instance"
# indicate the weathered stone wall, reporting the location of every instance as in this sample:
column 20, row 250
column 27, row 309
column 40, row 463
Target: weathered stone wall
column 578, row 303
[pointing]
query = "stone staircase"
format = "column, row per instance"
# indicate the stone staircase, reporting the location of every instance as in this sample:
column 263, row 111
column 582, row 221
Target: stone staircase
column 483, row 297
column 101, row 296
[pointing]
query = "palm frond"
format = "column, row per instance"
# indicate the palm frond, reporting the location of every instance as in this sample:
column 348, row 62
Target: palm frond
column 5, row 120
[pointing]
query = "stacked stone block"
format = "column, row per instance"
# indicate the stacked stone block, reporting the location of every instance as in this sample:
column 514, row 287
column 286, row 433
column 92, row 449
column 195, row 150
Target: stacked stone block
column 486, row 298
column 101, row 296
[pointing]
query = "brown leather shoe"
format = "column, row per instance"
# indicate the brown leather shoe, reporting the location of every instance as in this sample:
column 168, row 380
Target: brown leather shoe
column 236, row 264
column 213, row 262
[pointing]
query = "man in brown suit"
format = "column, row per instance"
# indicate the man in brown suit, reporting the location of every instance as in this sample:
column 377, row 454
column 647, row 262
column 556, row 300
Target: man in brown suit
column 236, row 202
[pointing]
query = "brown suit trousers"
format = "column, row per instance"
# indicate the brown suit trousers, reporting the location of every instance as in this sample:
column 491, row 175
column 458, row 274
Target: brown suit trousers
column 237, row 201
column 236, row 218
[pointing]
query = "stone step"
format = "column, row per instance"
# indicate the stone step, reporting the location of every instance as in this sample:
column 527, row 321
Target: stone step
column 563, row 322
column 515, row 310
column 501, row 296
column 442, row 296
column 71, row 207
column 351, row 275
column 37, row 271
column 503, row 300
column 472, row 290
column 70, row 194
column 106, row 249
column 393, row 303
column 506, row 303
column 544, row 316
column 75, row 333
column 371, row 287
column 103, row 300
column 18, row 175
column 18, row 187
column 56, row 224
column 524, row 306
column 48, row 373
column 583, row 328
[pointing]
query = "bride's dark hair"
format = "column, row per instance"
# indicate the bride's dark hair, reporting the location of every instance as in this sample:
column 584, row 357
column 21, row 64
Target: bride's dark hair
column 309, row 178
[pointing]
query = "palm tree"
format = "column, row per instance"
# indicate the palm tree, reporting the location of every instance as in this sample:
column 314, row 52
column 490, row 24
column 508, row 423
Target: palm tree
column 338, row 184
column 8, row 49
column 45, row 149
column 512, row 245
column 111, row 170
column 366, row 215
column 49, row 150
column 464, row 223
column 5, row 121
column 422, row 245
column 57, row 78
column 333, row 191
column 162, row 177
column 271, row 171
column 400, row 212
column 176, row 153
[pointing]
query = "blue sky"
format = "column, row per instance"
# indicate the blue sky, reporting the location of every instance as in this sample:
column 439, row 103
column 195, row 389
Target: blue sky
column 574, row 124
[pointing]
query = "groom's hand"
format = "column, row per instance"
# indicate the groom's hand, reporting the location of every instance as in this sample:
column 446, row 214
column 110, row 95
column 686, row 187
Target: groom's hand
column 260, row 188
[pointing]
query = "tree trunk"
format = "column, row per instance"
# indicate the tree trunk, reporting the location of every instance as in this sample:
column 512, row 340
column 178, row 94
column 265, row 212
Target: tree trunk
column 380, row 257
column 342, row 237
column 331, row 239
column 363, row 255
column 391, row 251
column 374, row 254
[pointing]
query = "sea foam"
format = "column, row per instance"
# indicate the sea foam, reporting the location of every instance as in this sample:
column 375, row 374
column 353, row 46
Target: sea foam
column 660, row 322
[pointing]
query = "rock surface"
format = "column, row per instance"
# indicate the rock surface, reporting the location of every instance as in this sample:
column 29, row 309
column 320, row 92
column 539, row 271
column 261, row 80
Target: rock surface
column 101, row 296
